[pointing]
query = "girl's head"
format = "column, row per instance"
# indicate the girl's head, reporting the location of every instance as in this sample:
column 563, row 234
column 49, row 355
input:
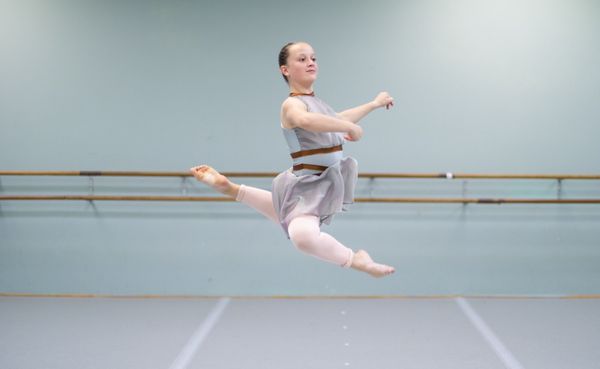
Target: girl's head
column 298, row 63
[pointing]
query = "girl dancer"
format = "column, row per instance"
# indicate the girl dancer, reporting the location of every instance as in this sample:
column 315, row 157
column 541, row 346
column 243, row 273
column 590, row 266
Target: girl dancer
column 321, row 181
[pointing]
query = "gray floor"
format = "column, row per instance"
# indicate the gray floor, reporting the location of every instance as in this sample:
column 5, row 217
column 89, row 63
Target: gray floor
column 217, row 333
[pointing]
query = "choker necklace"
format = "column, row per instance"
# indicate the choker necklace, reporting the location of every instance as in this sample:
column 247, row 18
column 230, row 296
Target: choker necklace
column 302, row 94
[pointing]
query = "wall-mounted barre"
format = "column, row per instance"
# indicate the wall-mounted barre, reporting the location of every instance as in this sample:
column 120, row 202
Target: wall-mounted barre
column 448, row 175
column 365, row 199
column 91, row 174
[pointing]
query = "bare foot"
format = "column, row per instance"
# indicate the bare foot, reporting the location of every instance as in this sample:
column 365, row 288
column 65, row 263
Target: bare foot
column 214, row 179
column 362, row 261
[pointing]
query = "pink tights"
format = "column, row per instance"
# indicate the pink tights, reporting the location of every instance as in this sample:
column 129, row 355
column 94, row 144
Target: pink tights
column 304, row 230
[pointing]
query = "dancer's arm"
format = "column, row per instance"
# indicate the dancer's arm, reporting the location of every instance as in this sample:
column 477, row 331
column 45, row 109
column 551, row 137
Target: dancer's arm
column 294, row 114
column 357, row 113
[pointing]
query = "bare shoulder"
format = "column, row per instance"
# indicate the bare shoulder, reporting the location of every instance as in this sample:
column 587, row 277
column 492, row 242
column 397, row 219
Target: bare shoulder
column 292, row 103
column 290, row 109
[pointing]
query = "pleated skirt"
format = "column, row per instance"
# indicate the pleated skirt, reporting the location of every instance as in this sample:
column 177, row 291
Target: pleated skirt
column 321, row 195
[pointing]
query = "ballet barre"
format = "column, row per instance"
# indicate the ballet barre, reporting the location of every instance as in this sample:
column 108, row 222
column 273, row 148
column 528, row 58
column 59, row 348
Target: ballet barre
column 447, row 175
column 358, row 199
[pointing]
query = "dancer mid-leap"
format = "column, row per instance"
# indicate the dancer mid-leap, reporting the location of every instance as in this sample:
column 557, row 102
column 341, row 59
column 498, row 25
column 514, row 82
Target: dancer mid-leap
column 321, row 181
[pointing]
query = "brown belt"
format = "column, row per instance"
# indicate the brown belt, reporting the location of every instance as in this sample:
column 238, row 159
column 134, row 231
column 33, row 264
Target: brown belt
column 326, row 150
column 309, row 166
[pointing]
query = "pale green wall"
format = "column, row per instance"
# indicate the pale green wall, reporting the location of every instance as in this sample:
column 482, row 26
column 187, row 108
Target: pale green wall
column 480, row 86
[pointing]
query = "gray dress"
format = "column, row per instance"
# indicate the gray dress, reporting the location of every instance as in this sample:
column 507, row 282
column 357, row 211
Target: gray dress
column 305, row 191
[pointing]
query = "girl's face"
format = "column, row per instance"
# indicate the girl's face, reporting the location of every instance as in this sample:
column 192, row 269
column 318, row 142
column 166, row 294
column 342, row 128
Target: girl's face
column 301, row 64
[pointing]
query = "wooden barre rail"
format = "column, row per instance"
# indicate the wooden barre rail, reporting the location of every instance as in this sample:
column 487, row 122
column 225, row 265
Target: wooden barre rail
column 273, row 174
column 361, row 199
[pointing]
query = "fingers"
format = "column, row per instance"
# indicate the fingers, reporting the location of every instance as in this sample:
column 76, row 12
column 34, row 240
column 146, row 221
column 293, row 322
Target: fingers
column 384, row 99
column 390, row 104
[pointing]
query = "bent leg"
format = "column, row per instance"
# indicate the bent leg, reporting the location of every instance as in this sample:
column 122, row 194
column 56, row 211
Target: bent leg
column 306, row 235
column 258, row 199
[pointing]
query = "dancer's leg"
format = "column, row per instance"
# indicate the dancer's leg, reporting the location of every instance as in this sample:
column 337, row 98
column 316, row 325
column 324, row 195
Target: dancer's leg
column 362, row 261
column 306, row 235
column 258, row 199
column 216, row 180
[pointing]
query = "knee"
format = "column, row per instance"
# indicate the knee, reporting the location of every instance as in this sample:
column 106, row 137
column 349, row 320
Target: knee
column 303, row 239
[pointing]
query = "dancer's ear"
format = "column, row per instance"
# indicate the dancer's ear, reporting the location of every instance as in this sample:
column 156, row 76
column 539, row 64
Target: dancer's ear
column 284, row 70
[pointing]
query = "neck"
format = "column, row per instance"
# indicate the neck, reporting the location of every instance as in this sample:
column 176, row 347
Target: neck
column 298, row 88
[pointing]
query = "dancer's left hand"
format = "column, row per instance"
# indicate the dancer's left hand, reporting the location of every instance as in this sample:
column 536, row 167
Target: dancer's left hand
column 384, row 99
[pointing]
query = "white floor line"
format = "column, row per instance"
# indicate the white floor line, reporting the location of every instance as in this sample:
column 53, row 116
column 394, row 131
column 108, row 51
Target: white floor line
column 506, row 356
column 195, row 341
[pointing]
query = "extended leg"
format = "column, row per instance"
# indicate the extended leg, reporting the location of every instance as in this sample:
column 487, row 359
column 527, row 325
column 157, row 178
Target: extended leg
column 216, row 180
column 256, row 198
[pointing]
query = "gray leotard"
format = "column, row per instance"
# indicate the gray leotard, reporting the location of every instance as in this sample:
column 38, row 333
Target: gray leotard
column 303, row 192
